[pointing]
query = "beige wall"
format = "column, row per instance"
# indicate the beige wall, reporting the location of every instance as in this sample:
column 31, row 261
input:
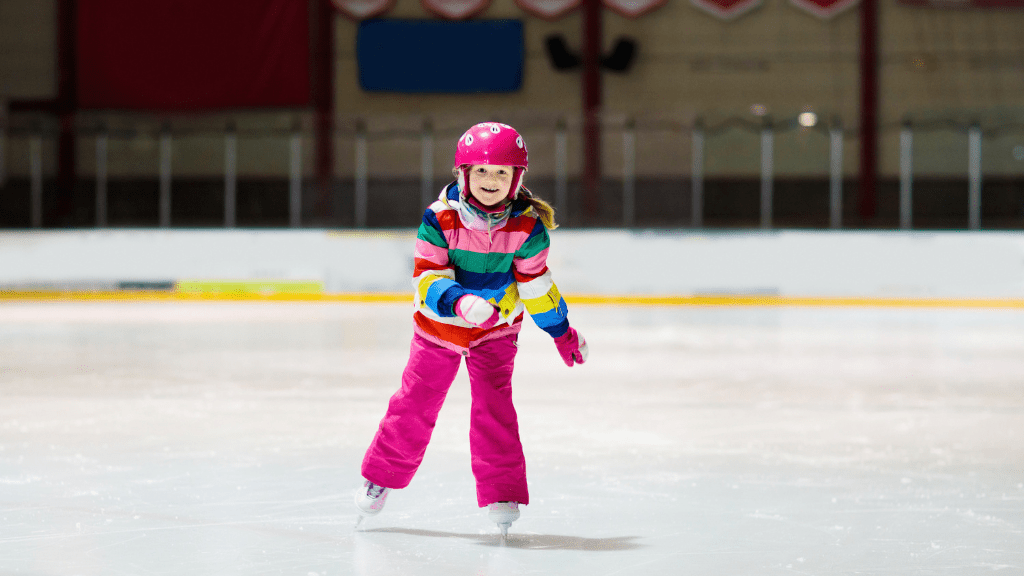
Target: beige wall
column 689, row 63
column 960, row 65
column 27, row 49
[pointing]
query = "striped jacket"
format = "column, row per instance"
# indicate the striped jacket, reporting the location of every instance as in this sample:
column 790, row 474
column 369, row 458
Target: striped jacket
column 504, row 262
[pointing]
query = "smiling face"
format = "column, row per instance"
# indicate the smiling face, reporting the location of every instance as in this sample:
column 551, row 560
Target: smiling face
column 490, row 184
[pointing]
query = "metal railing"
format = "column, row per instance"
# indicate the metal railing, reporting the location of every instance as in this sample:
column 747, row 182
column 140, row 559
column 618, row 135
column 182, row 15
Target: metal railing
column 630, row 130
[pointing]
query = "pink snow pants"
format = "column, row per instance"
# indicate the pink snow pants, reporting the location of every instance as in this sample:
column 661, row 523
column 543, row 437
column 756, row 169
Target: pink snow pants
column 497, row 454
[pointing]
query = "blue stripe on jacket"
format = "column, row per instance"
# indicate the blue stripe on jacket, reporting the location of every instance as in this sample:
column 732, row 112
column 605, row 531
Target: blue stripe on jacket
column 442, row 295
column 484, row 280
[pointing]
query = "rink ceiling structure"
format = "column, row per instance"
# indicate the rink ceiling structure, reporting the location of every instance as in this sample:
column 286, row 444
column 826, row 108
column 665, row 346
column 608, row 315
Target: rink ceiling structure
column 205, row 436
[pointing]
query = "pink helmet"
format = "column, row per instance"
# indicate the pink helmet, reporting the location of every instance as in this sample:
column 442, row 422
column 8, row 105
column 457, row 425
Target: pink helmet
column 495, row 144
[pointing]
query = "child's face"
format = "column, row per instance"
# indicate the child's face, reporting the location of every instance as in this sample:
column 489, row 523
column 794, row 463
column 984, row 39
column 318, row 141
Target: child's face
column 490, row 184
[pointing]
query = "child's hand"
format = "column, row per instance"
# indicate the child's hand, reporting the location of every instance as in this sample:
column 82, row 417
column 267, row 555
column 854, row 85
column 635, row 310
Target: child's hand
column 572, row 347
column 477, row 311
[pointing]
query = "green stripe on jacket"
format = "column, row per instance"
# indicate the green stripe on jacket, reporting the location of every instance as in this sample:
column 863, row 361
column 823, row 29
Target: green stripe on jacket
column 534, row 245
column 480, row 263
column 432, row 235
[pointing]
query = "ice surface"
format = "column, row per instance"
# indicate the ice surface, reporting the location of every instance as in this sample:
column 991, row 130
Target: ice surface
column 225, row 438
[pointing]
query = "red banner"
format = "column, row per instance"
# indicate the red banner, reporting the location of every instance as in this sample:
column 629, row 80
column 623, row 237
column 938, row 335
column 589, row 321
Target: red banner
column 193, row 54
column 824, row 8
column 363, row 9
column 634, row 8
column 549, row 9
column 455, row 9
column 727, row 9
column 965, row 4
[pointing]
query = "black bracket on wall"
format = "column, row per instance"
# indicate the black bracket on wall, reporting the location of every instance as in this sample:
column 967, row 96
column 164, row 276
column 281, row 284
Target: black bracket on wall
column 563, row 59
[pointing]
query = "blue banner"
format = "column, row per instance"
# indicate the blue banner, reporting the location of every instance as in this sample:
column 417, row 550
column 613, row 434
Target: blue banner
column 441, row 57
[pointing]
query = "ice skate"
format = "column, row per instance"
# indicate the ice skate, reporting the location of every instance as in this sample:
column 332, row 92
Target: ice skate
column 503, row 514
column 370, row 500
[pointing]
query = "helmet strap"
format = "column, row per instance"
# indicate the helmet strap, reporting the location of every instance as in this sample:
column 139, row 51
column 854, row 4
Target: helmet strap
column 517, row 182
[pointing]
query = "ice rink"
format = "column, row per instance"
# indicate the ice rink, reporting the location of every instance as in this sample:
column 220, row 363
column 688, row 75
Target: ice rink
column 221, row 438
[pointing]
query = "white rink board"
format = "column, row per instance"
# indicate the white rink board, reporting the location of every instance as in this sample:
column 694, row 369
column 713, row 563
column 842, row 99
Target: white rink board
column 597, row 262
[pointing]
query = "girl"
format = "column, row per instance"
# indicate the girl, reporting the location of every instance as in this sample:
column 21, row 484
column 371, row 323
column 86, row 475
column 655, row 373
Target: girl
column 480, row 260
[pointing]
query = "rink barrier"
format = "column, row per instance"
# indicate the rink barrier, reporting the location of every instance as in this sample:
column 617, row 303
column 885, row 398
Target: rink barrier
column 630, row 265
column 258, row 292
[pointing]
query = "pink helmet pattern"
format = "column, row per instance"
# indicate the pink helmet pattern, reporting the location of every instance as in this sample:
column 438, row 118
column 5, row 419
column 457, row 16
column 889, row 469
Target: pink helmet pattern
column 495, row 144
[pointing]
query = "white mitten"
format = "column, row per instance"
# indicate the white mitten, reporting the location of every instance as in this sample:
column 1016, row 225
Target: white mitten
column 477, row 311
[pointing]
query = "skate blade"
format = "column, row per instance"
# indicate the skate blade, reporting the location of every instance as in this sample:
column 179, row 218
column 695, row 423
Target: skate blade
column 504, row 532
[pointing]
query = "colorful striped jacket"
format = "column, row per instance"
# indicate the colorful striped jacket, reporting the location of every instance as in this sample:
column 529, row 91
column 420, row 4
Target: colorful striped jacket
column 504, row 262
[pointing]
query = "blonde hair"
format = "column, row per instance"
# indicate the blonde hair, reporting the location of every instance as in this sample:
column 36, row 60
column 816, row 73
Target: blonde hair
column 544, row 211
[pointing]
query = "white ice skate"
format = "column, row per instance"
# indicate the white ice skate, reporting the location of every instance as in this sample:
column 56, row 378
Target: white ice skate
column 503, row 514
column 370, row 500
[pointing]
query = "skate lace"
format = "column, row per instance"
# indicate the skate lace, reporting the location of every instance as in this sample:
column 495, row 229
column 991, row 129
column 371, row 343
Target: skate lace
column 373, row 491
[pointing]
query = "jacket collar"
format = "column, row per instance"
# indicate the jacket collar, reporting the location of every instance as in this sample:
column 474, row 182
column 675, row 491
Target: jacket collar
column 475, row 218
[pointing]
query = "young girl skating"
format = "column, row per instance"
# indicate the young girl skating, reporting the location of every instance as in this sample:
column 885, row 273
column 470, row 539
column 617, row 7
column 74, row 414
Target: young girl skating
column 480, row 260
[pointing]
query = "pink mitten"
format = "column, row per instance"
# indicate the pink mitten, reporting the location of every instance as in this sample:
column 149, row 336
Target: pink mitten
column 572, row 347
column 477, row 311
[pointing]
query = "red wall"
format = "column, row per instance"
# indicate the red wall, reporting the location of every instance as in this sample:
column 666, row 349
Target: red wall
column 193, row 54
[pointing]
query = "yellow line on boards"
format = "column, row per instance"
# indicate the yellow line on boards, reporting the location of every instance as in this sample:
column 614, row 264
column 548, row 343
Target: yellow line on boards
column 196, row 296
column 770, row 300
column 79, row 296
column 243, row 295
